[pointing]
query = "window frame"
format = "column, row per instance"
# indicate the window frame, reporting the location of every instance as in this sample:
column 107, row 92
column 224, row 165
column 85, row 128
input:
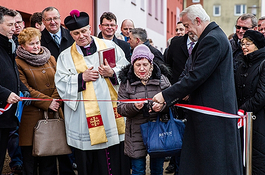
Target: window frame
column 214, row 12
column 243, row 9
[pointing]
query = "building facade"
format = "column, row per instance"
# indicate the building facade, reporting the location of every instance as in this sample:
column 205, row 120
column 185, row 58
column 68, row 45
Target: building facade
column 148, row 14
column 226, row 12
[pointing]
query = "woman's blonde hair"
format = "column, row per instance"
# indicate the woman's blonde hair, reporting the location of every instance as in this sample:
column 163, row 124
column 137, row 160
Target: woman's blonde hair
column 27, row 34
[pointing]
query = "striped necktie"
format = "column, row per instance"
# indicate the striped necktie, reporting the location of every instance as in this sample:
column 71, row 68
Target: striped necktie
column 55, row 38
column 191, row 47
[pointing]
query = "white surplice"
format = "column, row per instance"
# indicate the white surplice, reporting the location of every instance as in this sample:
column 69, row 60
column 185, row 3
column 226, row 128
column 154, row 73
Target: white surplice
column 66, row 80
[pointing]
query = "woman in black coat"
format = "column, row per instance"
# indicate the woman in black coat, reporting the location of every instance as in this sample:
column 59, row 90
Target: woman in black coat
column 250, row 89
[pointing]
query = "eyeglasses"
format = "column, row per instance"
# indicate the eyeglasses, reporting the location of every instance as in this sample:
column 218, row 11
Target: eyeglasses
column 55, row 19
column 261, row 29
column 246, row 44
column 181, row 29
column 109, row 25
column 18, row 22
column 239, row 27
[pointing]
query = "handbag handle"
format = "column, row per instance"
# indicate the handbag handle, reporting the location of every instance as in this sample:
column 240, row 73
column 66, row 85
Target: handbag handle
column 56, row 115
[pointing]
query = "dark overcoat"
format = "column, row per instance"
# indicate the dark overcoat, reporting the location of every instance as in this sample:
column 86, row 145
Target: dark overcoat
column 250, row 88
column 48, row 42
column 211, row 145
column 9, row 82
column 236, row 51
column 177, row 56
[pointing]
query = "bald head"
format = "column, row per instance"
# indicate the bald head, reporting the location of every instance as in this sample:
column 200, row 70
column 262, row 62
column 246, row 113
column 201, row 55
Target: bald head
column 126, row 26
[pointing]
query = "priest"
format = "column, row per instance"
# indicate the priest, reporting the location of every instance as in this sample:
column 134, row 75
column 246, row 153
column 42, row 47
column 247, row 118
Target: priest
column 93, row 127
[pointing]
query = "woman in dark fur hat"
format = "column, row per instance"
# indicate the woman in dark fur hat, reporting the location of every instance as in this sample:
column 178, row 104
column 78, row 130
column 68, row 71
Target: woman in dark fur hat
column 250, row 89
column 142, row 79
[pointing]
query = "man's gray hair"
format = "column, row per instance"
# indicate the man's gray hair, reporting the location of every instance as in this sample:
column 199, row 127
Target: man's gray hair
column 49, row 9
column 262, row 18
column 246, row 16
column 139, row 33
column 195, row 11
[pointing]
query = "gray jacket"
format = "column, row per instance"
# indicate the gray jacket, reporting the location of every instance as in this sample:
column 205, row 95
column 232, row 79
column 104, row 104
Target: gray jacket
column 132, row 88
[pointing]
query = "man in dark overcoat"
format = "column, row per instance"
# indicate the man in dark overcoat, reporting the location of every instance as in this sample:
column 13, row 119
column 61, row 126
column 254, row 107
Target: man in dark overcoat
column 56, row 38
column 211, row 145
column 10, row 84
column 54, row 32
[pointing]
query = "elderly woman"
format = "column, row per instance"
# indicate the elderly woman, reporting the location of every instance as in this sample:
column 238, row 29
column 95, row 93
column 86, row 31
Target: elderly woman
column 142, row 79
column 250, row 88
column 36, row 70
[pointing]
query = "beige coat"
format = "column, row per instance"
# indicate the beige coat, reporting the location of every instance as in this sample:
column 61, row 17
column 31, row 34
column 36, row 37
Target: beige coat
column 40, row 82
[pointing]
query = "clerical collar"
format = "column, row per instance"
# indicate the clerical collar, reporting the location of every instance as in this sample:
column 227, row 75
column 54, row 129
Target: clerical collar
column 89, row 49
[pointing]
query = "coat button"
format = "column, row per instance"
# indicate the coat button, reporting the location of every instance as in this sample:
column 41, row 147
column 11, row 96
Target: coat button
column 47, row 84
column 43, row 71
column 243, row 85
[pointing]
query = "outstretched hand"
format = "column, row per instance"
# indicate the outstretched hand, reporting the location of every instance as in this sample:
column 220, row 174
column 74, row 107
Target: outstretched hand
column 13, row 98
column 159, row 98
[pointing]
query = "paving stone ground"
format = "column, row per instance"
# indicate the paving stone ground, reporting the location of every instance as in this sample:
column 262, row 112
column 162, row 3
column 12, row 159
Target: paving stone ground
column 6, row 169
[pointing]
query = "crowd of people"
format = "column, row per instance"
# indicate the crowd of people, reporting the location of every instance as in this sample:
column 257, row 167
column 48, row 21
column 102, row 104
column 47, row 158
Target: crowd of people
column 200, row 66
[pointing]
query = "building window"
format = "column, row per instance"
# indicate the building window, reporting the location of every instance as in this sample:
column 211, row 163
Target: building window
column 195, row 1
column 240, row 9
column 171, row 22
column 150, row 7
column 142, row 5
column 216, row 10
column 133, row 2
column 167, row 20
column 156, row 9
column 162, row 12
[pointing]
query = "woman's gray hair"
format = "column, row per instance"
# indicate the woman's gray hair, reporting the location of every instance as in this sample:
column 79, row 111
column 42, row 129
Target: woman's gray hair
column 195, row 11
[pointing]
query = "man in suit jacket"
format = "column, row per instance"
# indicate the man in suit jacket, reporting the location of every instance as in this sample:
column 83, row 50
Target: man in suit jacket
column 56, row 39
column 108, row 26
column 178, row 54
column 211, row 145
column 54, row 32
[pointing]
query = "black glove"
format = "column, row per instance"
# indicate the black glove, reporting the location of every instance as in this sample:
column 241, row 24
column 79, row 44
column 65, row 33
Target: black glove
column 26, row 94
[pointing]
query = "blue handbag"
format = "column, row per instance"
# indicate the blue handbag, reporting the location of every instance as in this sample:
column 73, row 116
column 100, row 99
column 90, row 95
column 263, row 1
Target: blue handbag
column 163, row 139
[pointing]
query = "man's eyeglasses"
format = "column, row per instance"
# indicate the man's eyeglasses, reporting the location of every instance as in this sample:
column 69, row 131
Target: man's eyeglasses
column 246, row 44
column 261, row 29
column 109, row 25
column 55, row 19
column 239, row 27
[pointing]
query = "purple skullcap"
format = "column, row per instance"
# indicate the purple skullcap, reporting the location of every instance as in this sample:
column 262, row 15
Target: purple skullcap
column 142, row 51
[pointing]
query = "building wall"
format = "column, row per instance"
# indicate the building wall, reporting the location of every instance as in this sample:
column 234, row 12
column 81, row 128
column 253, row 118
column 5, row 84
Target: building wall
column 227, row 19
column 174, row 7
column 138, row 11
column 28, row 7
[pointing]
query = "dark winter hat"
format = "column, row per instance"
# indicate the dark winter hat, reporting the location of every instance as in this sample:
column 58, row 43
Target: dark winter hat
column 255, row 36
column 142, row 51
column 76, row 20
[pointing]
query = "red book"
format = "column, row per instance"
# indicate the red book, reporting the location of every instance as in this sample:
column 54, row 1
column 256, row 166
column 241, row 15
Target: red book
column 108, row 54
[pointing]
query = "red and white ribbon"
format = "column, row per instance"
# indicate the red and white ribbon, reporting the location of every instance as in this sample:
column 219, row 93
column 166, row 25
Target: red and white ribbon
column 8, row 106
column 208, row 111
